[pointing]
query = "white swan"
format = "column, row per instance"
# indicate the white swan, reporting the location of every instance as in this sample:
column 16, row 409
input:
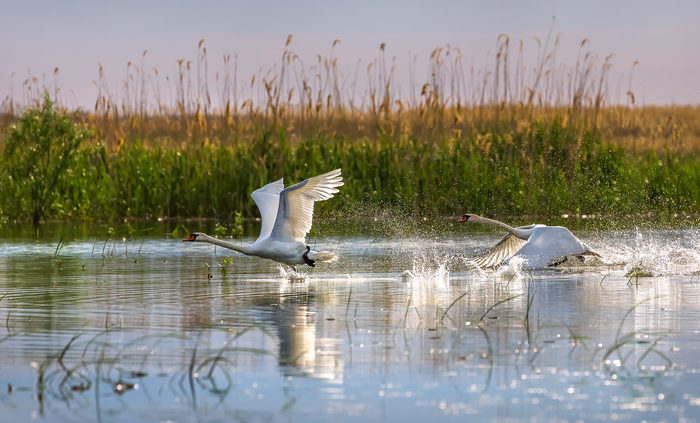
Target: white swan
column 537, row 245
column 286, row 215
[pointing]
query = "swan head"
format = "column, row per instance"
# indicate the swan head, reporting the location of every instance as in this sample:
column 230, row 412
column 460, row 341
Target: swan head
column 193, row 237
column 466, row 217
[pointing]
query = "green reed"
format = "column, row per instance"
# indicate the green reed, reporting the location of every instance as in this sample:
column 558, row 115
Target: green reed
column 543, row 139
column 548, row 171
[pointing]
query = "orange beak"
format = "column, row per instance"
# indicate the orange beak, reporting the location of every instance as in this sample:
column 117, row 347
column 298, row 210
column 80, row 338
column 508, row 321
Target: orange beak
column 463, row 219
column 190, row 239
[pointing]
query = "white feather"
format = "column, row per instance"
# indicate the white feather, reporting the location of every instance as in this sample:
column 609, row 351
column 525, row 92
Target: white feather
column 296, row 206
column 536, row 245
column 267, row 199
column 505, row 249
column 286, row 215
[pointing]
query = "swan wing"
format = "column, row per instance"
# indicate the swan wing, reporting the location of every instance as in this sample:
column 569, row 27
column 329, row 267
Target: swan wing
column 549, row 243
column 506, row 248
column 296, row 205
column 267, row 199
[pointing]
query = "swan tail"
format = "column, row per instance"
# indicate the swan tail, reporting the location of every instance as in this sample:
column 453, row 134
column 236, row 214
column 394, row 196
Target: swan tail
column 324, row 256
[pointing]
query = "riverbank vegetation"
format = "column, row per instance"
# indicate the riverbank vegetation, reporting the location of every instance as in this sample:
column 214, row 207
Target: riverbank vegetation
column 503, row 141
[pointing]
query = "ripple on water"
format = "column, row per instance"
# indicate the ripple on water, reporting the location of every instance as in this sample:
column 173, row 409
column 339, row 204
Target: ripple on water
column 402, row 329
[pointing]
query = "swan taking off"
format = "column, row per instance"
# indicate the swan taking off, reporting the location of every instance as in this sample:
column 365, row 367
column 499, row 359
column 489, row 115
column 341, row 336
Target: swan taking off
column 286, row 215
column 537, row 245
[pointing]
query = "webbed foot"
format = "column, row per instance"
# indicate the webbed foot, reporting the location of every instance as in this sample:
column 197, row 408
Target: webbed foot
column 306, row 258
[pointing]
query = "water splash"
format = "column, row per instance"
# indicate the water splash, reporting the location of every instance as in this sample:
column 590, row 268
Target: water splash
column 653, row 253
column 292, row 275
column 430, row 262
column 514, row 267
column 426, row 270
column 632, row 253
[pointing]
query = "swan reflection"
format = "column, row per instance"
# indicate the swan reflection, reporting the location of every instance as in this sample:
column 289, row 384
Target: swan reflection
column 301, row 351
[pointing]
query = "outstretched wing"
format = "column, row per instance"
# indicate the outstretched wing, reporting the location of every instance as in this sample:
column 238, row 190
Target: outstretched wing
column 506, row 248
column 296, row 205
column 267, row 199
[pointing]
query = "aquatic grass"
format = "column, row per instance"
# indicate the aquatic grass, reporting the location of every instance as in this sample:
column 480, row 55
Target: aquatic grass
column 449, row 307
column 179, row 229
column 489, row 356
column 8, row 336
column 224, row 267
column 59, row 359
column 576, row 338
column 347, row 307
column 219, row 230
column 288, row 406
column 57, row 264
column 628, row 338
column 494, row 305
column 190, row 371
column 652, row 348
column 153, row 347
column 106, row 259
column 408, row 308
column 214, row 361
column 212, row 368
column 530, row 301
column 219, row 356
column 7, row 321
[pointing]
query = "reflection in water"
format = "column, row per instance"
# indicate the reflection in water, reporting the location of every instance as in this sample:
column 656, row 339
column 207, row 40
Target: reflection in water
column 301, row 352
column 295, row 328
column 150, row 337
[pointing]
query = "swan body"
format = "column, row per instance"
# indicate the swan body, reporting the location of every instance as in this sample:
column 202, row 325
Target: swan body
column 287, row 215
column 536, row 245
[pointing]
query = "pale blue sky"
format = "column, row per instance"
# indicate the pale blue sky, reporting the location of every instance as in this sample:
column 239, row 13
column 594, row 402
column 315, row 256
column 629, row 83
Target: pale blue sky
column 75, row 36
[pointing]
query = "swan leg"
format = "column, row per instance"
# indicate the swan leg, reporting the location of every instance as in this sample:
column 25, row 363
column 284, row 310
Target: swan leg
column 306, row 258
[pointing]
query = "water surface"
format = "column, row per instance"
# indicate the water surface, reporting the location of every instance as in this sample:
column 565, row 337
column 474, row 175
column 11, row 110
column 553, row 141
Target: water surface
column 399, row 329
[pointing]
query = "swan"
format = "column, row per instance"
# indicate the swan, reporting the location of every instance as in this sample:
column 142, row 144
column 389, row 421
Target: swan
column 286, row 215
column 539, row 245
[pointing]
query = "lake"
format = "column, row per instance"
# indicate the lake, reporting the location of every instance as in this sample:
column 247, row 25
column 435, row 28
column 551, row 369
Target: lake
column 143, row 327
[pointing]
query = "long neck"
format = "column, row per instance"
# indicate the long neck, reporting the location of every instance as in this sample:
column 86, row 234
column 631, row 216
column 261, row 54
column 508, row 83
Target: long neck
column 519, row 233
column 479, row 219
column 245, row 249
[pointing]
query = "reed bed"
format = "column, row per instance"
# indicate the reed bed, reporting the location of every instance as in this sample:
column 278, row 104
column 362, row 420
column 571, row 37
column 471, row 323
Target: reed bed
column 509, row 139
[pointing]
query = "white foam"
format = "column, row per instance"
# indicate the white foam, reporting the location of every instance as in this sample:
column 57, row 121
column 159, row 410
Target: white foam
column 658, row 253
column 292, row 275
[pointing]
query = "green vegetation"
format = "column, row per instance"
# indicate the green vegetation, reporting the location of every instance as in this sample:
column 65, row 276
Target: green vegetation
column 39, row 151
column 549, row 170
column 507, row 140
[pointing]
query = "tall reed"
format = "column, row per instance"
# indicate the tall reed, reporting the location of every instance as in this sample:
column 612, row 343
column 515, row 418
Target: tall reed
column 506, row 95
column 547, row 171
column 507, row 139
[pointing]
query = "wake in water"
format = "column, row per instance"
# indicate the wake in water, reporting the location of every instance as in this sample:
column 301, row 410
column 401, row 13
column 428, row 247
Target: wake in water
column 632, row 254
column 655, row 253
column 624, row 253
column 292, row 275
column 427, row 268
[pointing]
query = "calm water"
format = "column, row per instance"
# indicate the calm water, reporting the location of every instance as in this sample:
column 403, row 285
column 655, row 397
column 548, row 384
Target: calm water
column 137, row 330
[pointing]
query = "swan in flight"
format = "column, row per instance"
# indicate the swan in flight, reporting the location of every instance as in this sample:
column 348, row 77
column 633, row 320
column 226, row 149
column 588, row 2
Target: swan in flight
column 286, row 215
column 538, row 245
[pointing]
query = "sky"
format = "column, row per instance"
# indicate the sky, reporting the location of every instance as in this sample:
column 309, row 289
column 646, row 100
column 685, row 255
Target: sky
column 77, row 36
